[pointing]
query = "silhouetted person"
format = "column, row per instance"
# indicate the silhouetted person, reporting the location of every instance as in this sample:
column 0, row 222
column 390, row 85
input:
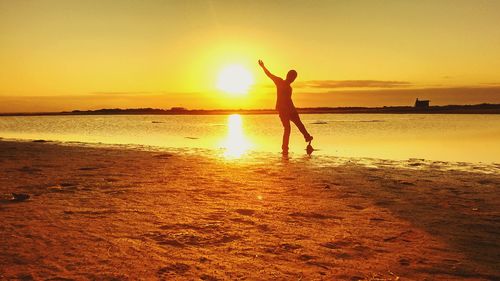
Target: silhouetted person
column 285, row 107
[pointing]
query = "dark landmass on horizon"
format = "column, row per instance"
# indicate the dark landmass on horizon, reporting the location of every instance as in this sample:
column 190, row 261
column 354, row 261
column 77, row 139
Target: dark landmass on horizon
column 484, row 108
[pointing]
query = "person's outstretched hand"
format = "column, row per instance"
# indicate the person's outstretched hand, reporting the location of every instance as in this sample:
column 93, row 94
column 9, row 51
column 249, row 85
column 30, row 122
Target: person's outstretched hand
column 261, row 63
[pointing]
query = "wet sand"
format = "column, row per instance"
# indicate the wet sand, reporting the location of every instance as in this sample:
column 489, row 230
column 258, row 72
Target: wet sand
column 125, row 214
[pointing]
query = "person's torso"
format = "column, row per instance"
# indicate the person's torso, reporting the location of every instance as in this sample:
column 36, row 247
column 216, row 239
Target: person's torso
column 284, row 96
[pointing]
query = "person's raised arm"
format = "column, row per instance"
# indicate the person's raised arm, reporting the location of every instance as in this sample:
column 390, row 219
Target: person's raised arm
column 267, row 72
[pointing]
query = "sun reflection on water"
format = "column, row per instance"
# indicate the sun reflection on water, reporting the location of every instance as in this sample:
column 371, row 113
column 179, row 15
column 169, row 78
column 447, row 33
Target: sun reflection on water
column 236, row 143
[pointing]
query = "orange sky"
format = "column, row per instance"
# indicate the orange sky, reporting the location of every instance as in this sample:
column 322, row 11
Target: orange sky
column 65, row 55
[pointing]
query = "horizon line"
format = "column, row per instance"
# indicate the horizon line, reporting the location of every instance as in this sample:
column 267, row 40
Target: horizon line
column 179, row 109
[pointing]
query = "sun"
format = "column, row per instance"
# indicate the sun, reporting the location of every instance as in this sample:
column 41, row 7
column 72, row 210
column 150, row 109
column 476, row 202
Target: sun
column 234, row 79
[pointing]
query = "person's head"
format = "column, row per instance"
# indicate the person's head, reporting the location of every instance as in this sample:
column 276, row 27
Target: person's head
column 291, row 75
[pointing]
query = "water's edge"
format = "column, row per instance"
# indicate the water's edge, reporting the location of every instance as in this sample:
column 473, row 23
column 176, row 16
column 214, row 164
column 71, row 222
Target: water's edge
column 265, row 157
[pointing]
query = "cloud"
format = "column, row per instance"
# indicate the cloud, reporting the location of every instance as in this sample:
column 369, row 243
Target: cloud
column 126, row 93
column 493, row 91
column 397, row 97
column 145, row 94
column 333, row 84
column 493, row 84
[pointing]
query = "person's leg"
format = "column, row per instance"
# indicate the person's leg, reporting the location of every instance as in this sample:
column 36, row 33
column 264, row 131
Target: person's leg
column 296, row 120
column 285, row 120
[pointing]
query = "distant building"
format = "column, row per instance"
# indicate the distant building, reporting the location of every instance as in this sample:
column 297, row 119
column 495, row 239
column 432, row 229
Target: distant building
column 422, row 104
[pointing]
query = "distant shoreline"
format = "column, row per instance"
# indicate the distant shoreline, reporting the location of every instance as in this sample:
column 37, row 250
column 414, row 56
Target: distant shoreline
column 446, row 109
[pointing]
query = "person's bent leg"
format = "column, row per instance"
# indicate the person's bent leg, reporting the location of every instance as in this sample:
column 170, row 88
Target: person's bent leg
column 296, row 120
column 285, row 120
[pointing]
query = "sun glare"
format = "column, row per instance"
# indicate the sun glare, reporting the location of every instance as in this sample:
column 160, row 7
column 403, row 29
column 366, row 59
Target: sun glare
column 234, row 79
column 236, row 144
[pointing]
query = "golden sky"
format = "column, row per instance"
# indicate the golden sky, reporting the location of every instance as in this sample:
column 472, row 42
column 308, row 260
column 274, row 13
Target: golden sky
column 65, row 54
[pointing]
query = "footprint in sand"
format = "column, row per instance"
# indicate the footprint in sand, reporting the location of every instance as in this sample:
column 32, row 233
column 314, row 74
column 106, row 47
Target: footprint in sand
column 384, row 203
column 172, row 270
column 25, row 277
column 206, row 277
column 357, row 207
column 486, row 182
column 29, row 170
column 163, row 156
column 336, row 244
column 245, row 212
column 112, row 180
column 404, row 262
column 315, row 216
column 342, row 256
column 306, row 257
column 264, row 228
column 88, row 168
column 290, row 247
column 261, row 171
column 171, row 242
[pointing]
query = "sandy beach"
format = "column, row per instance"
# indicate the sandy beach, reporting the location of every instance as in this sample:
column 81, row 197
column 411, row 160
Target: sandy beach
column 99, row 213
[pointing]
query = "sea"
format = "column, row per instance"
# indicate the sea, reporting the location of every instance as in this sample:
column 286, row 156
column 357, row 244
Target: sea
column 437, row 137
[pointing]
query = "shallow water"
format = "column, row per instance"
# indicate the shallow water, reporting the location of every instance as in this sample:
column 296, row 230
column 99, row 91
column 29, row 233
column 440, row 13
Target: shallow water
column 457, row 138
